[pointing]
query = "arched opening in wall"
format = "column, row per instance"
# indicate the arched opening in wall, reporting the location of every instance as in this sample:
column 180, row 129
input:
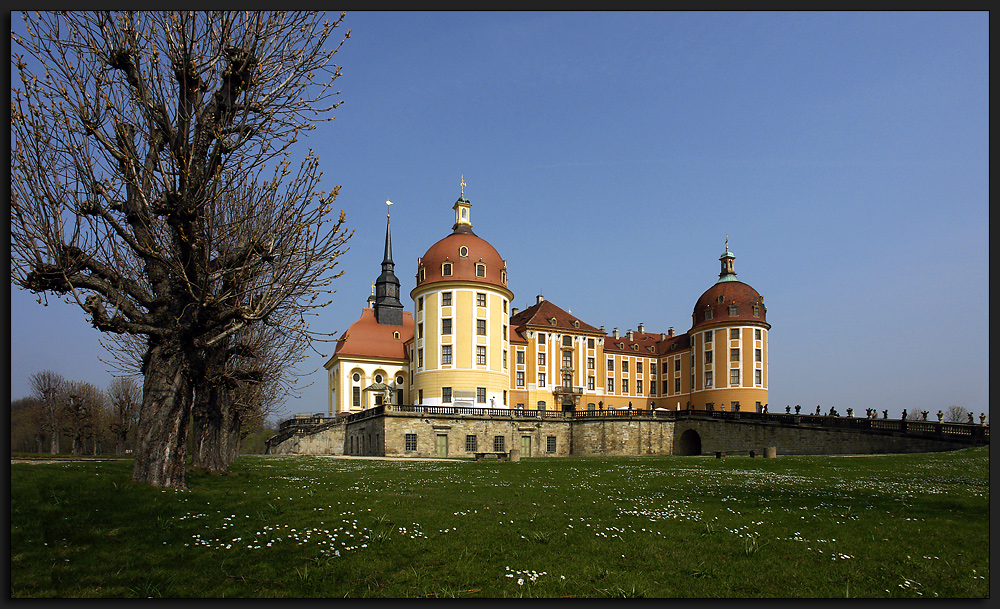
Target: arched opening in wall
column 688, row 444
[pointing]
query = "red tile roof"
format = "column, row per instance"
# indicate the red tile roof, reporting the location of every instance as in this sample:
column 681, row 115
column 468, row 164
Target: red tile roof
column 368, row 338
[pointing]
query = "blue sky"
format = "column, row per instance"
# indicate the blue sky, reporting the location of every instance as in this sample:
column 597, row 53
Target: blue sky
column 607, row 155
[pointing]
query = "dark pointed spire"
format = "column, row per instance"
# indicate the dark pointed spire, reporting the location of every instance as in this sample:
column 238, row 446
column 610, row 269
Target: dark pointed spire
column 388, row 309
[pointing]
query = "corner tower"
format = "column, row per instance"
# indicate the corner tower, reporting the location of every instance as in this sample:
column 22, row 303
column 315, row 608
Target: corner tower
column 729, row 334
column 459, row 354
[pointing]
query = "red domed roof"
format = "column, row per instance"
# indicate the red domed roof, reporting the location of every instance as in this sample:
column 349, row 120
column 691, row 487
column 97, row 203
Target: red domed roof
column 714, row 305
column 464, row 251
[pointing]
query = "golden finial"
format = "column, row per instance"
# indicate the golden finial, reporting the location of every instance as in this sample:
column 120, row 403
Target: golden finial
column 463, row 185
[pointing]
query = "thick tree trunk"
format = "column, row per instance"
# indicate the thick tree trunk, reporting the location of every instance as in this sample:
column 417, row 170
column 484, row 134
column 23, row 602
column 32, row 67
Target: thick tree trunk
column 234, row 432
column 161, row 445
column 211, row 423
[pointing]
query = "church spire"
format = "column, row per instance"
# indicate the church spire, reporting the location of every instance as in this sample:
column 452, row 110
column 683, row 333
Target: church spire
column 388, row 309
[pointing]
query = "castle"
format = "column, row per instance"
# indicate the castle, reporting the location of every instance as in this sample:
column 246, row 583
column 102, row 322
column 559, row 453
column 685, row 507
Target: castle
column 465, row 345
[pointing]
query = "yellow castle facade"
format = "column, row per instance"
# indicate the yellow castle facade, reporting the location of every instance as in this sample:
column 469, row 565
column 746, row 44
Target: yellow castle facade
column 464, row 345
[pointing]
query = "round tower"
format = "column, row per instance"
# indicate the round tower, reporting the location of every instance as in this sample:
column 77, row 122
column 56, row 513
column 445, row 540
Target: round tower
column 729, row 333
column 460, row 349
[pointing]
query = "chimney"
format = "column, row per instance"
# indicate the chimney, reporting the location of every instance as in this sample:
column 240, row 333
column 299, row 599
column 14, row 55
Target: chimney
column 670, row 332
column 642, row 328
column 663, row 336
column 615, row 333
column 630, row 335
column 539, row 299
column 513, row 311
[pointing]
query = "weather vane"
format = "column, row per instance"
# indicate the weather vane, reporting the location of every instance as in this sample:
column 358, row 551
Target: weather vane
column 463, row 186
column 387, row 204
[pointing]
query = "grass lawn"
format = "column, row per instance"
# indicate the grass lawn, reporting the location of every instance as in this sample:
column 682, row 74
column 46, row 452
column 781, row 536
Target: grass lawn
column 293, row 526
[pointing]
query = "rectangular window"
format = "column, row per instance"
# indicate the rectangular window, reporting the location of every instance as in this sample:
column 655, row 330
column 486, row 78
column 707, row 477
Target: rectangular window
column 480, row 299
column 481, row 395
column 590, row 363
column 758, row 377
column 590, row 383
column 734, row 377
column 420, row 303
column 590, row 343
column 519, row 379
column 638, row 367
column 446, row 325
column 638, row 387
column 470, row 444
column 357, row 397
column 666, row 387
column 624, row 385
column 445, row 354
column 541, row 359
column 708, row 357
column 550, row 444
column 481, row 356
column 504, row 359
column 708, row 380
column 480, row 270
column 567, row 359
column 734, row 333
column 445, row 299
column 481, row 327
column 734, row 355
column 611, row 365
column 652, row 368
column 624, row 365
column 446, row 395
column 677, row 365
column 498, row 444
column 708, row 336
column 734, row 310
column 520, row 357
column 756, row 333
column 758, row 355
column 420, row 358
column 611, row 384
column 411, row 442
column 677, row 385
column 541, row 379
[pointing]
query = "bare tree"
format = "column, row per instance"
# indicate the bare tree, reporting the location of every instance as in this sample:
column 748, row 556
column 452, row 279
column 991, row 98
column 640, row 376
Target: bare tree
column 49, row 388
column 127, row 130
column 124, row 397
column 956, row 414
column 29, row 423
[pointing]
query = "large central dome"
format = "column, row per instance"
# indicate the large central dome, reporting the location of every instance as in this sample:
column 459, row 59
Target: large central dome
column 462, row 256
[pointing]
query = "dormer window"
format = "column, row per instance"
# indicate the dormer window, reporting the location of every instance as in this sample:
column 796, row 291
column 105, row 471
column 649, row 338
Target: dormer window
column 446, row 269
column 708, row 314
column 734, row 310
column 420, row 275
column 480, row 270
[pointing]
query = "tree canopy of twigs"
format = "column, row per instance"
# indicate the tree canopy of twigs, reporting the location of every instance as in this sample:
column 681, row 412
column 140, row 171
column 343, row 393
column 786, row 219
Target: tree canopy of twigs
column 152, row 184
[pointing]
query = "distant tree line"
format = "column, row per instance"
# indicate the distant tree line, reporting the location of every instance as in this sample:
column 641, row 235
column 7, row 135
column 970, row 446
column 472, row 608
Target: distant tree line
column 79, row 418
